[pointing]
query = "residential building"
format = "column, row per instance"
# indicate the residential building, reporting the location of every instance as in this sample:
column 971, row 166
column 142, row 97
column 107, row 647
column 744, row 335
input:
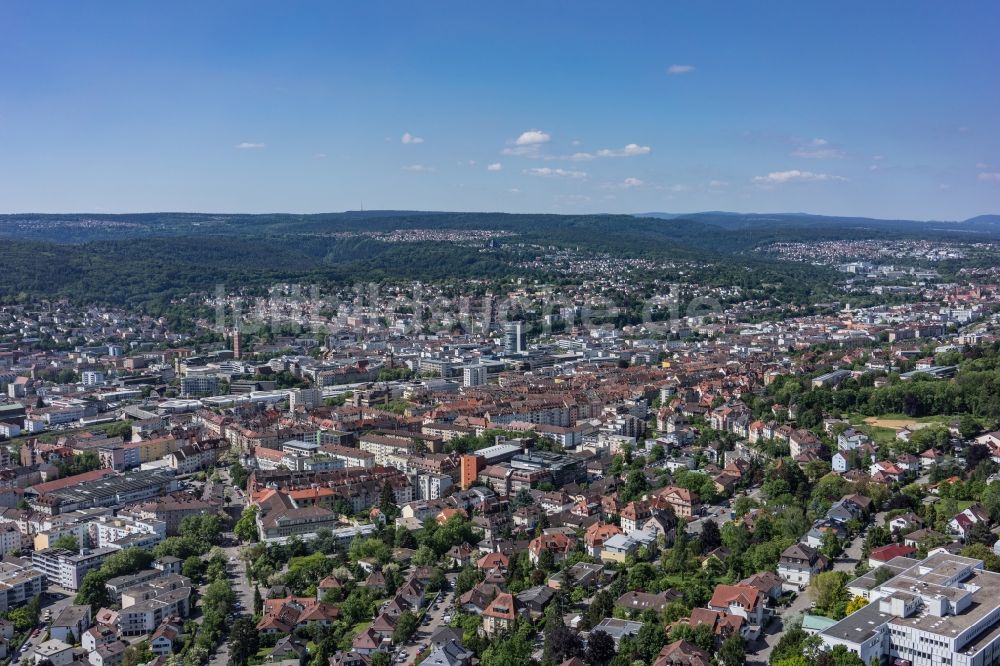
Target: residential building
column 799, row 563
column 500, row 615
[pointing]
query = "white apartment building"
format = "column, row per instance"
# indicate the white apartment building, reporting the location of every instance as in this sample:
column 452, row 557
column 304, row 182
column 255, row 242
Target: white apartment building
column 92, row 378
column 941, row 611
column 474, row 375
column 430, row 485
column 66, row 568
column 304, row 397
column 18, row 583
column 106, row 530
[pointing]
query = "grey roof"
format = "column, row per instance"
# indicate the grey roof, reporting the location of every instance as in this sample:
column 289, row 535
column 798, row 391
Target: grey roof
column 450, row 653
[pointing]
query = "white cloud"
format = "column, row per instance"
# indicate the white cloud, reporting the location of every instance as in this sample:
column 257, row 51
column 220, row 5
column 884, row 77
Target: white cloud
column 717, row 184
column 680, row 188
column 532, row 137
column 630, row 150
column 560, row 173
column 496, row 166
column 247, row 145
column 675, row 70
column 409, row 138
column 982, row 165
column 319, row 156
column 819, row 149
column 633, row 182
column 793, row 176
column 418, row 168
column 990, row 177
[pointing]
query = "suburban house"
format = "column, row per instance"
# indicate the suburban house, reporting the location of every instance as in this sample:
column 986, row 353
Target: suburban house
column 798, row 564
column 742, row 600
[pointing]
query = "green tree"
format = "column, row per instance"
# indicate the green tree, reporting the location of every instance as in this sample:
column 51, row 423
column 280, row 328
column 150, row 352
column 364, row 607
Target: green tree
column 67, row 542
column 239, row 475
column 649, row 641
column 406, row 624
column 829, row 590
column 246, row 526
column 636, row 486
column 193, row 567
column 243, row 641
column 387, row 502
column 732, row 652
column 600, row 648
column 856, row 604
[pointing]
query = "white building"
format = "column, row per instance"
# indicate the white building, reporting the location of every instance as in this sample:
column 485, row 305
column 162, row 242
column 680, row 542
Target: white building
column 942, row 611
column 199, row 385
column 430, row 485
column 305, row 397
column 474, row 375
column 18, row 583
column 92, row 378
column 513, row 337
column 66, row 568
column 106, row 530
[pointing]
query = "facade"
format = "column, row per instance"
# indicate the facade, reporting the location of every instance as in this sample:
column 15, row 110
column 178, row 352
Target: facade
column 474, row 375
column 681, row 500
column 66, row 568
column 500, row 615
column 429, row 485
column 92, row 378
column 107, row 530
column 199, row 385
column 19, row 583
column 513, row 338
column 146, row 606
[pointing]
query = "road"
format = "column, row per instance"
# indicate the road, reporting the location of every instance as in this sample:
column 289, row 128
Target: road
column 54, row 600
column 759, row 652
column 432, row 622
column 237, row 572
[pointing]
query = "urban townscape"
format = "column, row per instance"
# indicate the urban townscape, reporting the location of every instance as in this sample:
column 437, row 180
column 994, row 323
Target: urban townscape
column 510, row 415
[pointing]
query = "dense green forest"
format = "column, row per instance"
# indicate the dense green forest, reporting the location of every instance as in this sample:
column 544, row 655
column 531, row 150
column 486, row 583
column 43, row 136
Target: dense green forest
column 974, row 390
column 147, row 260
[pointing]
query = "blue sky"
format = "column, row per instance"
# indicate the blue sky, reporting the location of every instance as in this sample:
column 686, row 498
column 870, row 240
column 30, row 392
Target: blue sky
column 888, row 109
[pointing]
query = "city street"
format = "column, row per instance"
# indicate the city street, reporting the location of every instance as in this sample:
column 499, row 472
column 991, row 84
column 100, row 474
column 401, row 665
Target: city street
column 236, row 568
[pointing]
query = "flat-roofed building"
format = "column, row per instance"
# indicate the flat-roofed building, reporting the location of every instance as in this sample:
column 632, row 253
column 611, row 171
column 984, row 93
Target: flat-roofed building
column 944, row 609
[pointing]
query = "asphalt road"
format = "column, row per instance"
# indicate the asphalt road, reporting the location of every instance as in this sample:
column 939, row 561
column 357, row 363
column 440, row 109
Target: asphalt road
column 236, row 569
column 54, row 600
column 759, row 652
column 433, row 621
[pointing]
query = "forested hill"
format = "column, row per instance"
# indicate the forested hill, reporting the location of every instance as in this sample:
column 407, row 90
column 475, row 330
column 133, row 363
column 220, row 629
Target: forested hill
column 148, row 259
column 711, row 230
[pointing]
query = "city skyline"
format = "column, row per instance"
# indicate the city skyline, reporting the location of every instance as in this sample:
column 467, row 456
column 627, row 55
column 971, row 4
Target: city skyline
column 855, row 110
